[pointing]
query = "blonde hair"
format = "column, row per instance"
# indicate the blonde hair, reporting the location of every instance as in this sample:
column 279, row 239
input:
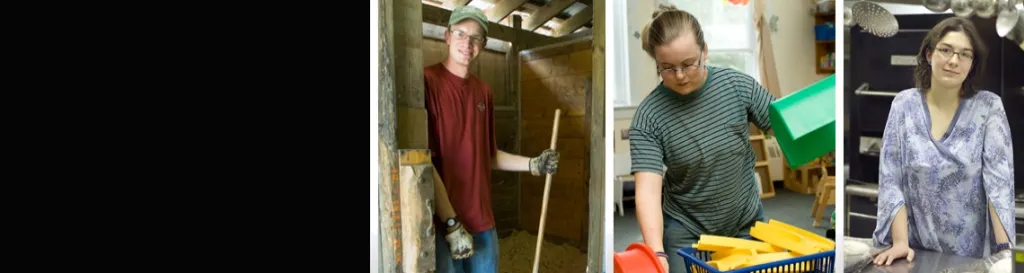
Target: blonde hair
column 667, row 24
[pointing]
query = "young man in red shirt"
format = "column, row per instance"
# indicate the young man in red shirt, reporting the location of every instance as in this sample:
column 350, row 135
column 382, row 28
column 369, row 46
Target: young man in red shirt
column 460, row 118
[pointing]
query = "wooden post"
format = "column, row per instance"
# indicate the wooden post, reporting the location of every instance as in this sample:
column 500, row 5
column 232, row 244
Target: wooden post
column 547, row 191
column 595, row 238
column 409, row 86
column 390, row 229
column 515, row 68
column 512, row 58
column 417, row 209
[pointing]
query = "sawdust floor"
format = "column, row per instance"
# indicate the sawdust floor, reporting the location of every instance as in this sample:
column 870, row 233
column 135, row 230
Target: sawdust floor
column 517, row 250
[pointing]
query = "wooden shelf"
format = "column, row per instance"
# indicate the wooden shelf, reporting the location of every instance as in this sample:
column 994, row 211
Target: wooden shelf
column 761, row 163
column 757, row 137
column 822, row 48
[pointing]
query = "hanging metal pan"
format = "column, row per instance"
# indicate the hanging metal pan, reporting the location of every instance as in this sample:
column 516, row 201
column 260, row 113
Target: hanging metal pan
column 1010, row 25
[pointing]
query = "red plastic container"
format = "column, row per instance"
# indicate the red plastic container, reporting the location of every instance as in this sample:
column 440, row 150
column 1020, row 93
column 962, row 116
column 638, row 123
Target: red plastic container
column 638, row 258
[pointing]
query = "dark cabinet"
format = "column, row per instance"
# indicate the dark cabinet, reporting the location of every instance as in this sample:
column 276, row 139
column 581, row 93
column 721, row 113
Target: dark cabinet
column 861, row 208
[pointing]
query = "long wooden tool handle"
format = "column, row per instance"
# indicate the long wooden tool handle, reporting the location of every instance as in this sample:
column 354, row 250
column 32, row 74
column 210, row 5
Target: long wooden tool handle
column 547, row 190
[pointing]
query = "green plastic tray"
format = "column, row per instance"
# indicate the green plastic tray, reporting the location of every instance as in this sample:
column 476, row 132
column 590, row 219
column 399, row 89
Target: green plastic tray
column 804, row 122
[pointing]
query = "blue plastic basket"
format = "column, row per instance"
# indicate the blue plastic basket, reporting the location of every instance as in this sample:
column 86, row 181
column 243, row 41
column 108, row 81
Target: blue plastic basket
column 823, row 262
column 825, row 32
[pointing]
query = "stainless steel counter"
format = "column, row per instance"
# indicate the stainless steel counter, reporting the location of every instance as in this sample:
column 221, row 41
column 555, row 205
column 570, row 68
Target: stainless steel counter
column 924, row 261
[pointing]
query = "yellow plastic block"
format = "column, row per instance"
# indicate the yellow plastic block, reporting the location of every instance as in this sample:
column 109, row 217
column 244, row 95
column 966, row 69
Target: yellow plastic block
column 820, row 246
column 805, row 233
column 736, row 251
column 733, row 261
column 767, row 258
column 775, row 236
column 719, row 243
column 712, row 248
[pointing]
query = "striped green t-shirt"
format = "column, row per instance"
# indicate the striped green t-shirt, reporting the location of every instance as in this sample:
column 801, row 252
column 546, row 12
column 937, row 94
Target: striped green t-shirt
column 700, row 144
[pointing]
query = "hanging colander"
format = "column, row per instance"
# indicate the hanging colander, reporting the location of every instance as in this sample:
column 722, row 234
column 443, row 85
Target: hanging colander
column 875, row 19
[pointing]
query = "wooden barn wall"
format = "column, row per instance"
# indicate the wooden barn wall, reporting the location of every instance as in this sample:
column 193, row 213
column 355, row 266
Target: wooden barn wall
column 492, row 68
column 556, row 77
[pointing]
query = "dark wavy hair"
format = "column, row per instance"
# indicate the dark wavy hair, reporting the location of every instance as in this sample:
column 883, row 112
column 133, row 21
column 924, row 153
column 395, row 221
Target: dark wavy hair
column 923, row 71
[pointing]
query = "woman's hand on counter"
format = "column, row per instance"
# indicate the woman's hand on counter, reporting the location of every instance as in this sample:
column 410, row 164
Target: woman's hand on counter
column 898, row 250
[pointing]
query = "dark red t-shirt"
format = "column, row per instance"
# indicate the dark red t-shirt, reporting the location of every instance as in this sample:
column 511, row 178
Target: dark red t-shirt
column 460, row 122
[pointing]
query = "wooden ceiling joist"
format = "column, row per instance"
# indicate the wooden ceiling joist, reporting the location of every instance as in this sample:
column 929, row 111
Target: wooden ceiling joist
column 503, row 9
column 545, row 13
column 575, row 22
column 439, row 16
column 451, row 4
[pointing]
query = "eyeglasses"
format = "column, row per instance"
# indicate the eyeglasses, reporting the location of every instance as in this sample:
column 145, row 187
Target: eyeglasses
column 462, row 36
column 949, row 52
column 685, row 69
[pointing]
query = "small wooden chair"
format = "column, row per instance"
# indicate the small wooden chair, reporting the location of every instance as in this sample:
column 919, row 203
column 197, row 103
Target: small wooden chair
column 826, row 192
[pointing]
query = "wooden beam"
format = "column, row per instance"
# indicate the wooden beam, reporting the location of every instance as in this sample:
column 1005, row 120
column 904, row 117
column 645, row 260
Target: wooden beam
column 574, row 36
column 595, row 250
column 503, row 9
column 575, row 22
column 545, row 13
column 439, row 16
column 451, row 4
column 416, row 191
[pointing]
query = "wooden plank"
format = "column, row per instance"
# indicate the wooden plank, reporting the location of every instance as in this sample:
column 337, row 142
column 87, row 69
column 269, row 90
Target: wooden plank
column 759, row 149
column 556, row 49
column 565, row 93
column 451, row 4
column 569, row 128
column 408, row 157
column 564, row 201
column 545, row 13
column 439, row 17
column 417, row 198
column 535, row 70
column 575, row 22
column 390, row 227
column 581, row 63
column 408, row 59
column 412, row 128
column 587, row 33
column 767, row 186
column 503, row 9
column 595, row 242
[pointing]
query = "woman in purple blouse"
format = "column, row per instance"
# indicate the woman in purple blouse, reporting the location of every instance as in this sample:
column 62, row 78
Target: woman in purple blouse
column 946, row 172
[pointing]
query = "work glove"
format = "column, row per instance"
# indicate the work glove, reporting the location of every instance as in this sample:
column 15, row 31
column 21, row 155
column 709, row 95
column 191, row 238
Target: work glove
column 460, row 243
column 545, row 163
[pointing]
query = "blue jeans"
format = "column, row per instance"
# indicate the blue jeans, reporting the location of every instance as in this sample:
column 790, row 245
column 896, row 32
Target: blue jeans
column 676, row 237
column 484, row 259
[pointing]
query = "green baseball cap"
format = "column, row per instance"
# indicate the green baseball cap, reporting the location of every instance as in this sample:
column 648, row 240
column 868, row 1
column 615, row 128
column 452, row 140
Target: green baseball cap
column 468, row 12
